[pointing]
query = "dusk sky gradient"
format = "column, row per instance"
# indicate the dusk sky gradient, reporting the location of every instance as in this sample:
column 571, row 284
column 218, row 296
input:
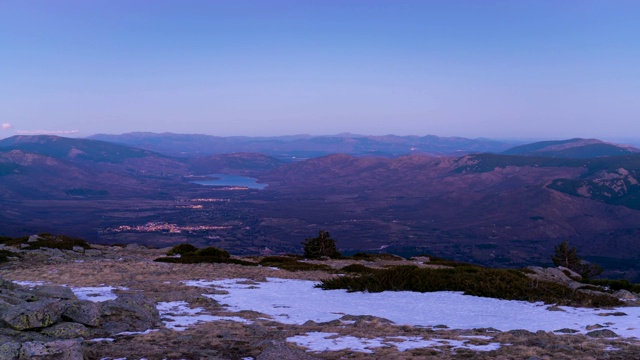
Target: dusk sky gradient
column 495, row 69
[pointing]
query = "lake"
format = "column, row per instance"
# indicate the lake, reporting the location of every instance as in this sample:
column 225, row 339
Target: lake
column 231, row 180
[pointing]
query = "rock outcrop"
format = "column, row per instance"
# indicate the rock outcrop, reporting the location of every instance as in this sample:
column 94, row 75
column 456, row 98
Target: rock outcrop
column 49, row 322
column 561, row 275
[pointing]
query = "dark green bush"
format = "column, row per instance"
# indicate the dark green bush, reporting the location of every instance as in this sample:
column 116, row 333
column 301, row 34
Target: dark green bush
column 357, row 269
column 451, row 263
column 4, row 239
column 509, row 284
column 62, row 242
column 206, row 255
column 436, row 260
column 272, row 260
column 292, row 264
column 6, row 254
column 211, row 252
column 373, row 257
column 181, row 249
column 204, row 259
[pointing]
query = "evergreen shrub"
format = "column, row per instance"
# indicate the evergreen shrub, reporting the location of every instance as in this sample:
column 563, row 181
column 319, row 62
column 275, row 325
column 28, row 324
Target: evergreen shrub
column 292, row 264
column 181, row 249
column 508, row 284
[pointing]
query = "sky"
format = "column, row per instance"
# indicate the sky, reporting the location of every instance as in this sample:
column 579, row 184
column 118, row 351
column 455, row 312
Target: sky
column 519, row 69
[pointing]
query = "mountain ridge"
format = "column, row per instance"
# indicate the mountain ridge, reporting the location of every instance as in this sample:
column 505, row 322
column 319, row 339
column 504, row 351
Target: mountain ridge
column 303, row 146
column 575, row 148
column 478, row 207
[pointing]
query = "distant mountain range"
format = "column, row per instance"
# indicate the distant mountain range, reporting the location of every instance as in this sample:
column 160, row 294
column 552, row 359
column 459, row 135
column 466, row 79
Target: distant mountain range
column 508, row 207
column 299, row 147
column 304, row 146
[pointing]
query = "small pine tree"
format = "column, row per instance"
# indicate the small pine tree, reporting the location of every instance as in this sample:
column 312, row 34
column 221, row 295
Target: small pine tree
column 565, row 256
column 568, row 257
column 323, row 245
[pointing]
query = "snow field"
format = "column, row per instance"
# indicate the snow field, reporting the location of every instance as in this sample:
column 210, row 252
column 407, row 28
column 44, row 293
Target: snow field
column 297, row 301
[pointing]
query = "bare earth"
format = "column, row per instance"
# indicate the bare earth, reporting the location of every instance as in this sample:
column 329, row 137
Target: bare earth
column 133, row 268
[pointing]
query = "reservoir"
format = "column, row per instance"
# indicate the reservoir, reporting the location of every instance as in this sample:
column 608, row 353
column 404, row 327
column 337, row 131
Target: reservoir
column 231, row 180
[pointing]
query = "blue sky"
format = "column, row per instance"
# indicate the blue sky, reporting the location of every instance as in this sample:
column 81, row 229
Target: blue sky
column 496, row 69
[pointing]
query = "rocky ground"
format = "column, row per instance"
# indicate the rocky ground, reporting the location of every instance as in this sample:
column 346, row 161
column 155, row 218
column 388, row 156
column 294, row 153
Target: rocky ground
column 51, row 322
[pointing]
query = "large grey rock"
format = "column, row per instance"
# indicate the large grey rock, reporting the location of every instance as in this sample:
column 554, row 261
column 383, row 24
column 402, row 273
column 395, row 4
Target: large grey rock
column 129, row 312
column 625, row 295
column 4, row 305
column 52, row 252
column 56, row 292
column 93, row 252
column 10, row 298
column 10, row 350
column 604, row 333
column 32, row 315
column 557, row 275
column 17, row 295
column 6, row 284
column 54, row 350
column 135, row 247
column 82, row 311
column 67, row 330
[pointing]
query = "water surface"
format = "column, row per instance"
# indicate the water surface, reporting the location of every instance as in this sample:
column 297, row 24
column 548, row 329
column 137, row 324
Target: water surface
column 231, row 180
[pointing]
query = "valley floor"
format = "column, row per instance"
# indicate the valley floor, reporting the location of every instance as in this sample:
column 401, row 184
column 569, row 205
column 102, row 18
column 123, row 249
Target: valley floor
column 222, row 311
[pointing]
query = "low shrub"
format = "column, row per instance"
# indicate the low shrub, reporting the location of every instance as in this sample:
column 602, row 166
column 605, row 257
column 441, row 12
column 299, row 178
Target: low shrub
column 211, row 252
column 6, row 254
column 181, row 249
column 292, row 264
column 357, row 269
column 616, row 285
column 451, row 263
column 374, row 257
column 61, row 242
column 275, row 260
column 508, row 284
column 203, row 259
column 190, row 254
column 436, row 260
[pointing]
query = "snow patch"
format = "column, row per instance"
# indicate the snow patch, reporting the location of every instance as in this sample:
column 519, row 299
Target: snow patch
column 178, row 316
column 30, row 284
column 323, row 341
column 96, row 293
column 101, row 339
column 148, row 331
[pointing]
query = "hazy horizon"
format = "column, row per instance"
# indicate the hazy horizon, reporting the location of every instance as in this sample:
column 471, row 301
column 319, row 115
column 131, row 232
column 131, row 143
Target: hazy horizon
column 635, row 142
column 536, row 70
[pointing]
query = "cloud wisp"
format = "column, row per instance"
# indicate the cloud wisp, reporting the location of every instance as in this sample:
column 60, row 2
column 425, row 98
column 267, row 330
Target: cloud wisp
column 47, row 132
column 6, row 126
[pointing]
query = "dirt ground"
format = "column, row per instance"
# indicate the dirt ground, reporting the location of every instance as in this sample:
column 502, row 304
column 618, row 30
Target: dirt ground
column 134, row 269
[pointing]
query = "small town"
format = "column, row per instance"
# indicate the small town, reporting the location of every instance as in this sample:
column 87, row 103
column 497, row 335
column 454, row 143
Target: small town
column 162, row 227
